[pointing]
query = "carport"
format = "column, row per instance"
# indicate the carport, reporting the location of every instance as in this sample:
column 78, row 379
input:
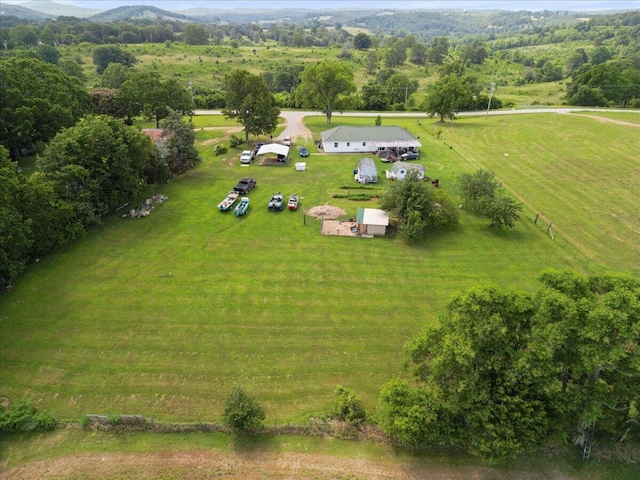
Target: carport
column 281, row 151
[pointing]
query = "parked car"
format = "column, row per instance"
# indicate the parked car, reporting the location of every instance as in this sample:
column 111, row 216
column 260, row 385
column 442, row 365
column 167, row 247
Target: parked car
column 245, row 185
column 257, row 147
column 304, row 152
column 287, row 141
column 246, row 157
column 410, row 156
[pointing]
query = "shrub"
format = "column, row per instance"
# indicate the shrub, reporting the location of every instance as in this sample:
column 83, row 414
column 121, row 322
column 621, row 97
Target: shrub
column 357, row 197
column 242, row 413
column 220, row 149
column 22, row 416
column 347, row 407
column 235, row 141
column 113, row 419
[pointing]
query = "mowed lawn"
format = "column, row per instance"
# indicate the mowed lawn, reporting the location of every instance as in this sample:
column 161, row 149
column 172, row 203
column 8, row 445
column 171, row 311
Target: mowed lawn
column 163, row 316
column 580, row 173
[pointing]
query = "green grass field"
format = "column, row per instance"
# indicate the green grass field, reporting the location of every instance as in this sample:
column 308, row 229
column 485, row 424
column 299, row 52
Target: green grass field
column 262, row 301
column 579, row 173
column 268, row 303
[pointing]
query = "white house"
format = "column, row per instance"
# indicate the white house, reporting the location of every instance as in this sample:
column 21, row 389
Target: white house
column 399, row 170
column 367, row 171
column 372, row 221
column 351, row 139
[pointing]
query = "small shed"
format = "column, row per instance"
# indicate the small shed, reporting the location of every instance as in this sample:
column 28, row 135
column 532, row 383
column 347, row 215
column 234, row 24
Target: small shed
column 399, row 170
column 367, row 171
column 372, row 221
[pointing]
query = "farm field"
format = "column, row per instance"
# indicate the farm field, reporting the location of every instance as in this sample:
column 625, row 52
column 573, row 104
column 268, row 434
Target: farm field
column 162, row 316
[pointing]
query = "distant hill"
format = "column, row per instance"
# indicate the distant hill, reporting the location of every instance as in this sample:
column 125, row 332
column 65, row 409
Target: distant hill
column 55, row 9
column 139, row 12
column 19, row 11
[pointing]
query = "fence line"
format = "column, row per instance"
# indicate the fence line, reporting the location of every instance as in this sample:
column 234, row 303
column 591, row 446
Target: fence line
column 545, row 225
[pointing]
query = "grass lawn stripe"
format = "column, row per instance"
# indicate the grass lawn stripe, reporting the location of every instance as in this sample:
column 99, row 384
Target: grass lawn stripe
column 263, row 301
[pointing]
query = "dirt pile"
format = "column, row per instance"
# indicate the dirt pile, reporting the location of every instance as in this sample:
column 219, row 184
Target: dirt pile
column 326, row 211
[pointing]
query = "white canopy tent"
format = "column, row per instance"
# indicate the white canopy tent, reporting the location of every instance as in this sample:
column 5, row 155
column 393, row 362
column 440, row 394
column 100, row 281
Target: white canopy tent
column 274, row 148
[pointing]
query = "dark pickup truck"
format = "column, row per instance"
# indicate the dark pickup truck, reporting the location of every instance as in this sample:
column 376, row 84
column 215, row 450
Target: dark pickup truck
column 245, row 185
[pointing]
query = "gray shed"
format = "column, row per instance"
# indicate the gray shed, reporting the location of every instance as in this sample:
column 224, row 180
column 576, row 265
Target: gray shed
column 367, row 171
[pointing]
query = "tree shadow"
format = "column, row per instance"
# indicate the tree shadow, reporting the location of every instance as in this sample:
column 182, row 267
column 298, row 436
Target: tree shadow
column 246, row 443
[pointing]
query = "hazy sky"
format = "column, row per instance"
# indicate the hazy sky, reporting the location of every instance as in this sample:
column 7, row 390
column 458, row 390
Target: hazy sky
column 576, row 5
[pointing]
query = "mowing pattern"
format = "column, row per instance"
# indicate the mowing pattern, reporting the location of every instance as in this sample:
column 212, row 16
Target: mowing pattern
column 263, row 301
column 579, row 173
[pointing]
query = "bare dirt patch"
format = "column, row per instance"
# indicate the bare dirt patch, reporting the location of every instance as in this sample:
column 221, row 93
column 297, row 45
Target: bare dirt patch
column 270, row 162
column 326, row 212
column 341, row 228
column 608, row 120
column 226, row 130
column 201, row 464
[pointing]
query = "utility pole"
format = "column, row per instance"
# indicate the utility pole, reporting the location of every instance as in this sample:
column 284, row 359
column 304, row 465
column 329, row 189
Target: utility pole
column 493, row 89
column 193, row 105
column 406, row 95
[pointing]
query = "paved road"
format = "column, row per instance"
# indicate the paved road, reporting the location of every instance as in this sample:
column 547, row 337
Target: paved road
column 295, row 125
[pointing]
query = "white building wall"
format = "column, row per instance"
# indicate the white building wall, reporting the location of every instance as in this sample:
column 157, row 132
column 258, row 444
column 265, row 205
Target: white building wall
column 376, row 229
column 349, row 147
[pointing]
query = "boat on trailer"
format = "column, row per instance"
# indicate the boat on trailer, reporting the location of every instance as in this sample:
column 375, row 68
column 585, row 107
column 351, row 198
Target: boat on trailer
column 276, row 202
column 293, row 202
column 242, row 207
column 228, row 202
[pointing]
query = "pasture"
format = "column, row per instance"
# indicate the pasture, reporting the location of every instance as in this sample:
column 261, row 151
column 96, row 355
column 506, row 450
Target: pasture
column 577, row 172
column 262, row 301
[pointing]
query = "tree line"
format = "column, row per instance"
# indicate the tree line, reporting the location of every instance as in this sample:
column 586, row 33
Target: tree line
column 614, row 39
column 93, row 163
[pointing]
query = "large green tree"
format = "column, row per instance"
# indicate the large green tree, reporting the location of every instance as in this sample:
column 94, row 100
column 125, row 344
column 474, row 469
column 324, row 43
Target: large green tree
column 37, row 99
column 53, row 220
column 250, row 102
column 322, row 84
column 446, row 96
column 505, row 370
column 476, row 364
column 114, row 75
column 195, row 34
column 15, row 236
column 483, row 196
column 413, row 204
column 588, row 328
column 106, row 54
column 374, row 96
column 97, row 165
column 148, row 94
column 399, row 88
column 362, row 41
column 179, row 148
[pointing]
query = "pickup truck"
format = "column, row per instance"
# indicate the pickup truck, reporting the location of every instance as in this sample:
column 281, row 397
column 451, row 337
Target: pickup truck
column 245, row 185
column 246, row 157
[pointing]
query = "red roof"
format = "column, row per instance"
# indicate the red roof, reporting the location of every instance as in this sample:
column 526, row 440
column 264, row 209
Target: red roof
column 154, row 133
